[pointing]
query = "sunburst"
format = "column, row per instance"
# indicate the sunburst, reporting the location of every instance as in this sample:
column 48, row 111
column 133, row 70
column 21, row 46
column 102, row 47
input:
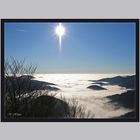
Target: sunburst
column 60, row 31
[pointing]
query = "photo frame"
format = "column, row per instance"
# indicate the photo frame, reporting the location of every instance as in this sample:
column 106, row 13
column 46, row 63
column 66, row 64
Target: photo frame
column 5, row 31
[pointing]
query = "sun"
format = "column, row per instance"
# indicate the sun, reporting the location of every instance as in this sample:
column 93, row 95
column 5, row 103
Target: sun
column 60, row 31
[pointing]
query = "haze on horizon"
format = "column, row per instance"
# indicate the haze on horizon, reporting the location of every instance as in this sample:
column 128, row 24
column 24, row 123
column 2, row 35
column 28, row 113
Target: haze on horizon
column 86, row 47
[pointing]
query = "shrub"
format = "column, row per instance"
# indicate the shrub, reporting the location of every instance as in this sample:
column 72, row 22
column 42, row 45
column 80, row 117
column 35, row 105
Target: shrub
column 21, row 99
column 17, row 79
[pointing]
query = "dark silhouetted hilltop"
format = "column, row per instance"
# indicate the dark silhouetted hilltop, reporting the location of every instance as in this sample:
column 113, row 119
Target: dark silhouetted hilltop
column 40, row 85
column 126, row 99
column 48, row 106
column 28, row 84
column 96, row 87
column 123, row 81
column 131, row 114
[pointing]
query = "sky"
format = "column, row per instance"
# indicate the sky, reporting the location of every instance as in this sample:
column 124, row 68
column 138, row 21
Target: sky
column 86, row 47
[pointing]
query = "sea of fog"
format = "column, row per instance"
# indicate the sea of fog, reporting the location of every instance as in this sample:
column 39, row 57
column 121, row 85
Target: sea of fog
column 95, row 101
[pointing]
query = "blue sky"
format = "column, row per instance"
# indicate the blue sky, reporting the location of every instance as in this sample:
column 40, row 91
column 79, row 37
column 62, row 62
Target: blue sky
column 86, row 47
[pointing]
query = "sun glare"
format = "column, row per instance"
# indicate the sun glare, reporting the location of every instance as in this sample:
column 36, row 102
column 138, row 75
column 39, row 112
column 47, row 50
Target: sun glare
column 60, row 31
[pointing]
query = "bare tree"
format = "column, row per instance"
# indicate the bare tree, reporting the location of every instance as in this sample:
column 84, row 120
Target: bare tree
column 74, row 110
column 17, row 84
column 22, row 98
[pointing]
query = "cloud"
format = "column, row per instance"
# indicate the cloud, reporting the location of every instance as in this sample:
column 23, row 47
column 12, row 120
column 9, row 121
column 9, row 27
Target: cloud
column 21, row 30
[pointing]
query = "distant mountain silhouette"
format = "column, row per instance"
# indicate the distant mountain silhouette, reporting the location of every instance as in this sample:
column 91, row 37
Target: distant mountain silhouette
column 126, row 99
column 27, row 83
column 131, row 114
column 95, row 87
column 27, row 77
column 40, row 85
column 127, row 81
column 100, row 83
